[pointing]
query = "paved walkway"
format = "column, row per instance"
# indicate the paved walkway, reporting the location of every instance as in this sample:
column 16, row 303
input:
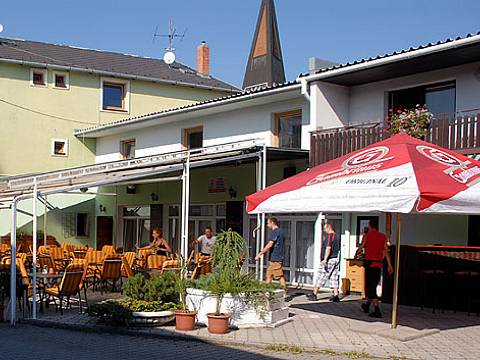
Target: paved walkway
column 340, row 327
column 27, row 342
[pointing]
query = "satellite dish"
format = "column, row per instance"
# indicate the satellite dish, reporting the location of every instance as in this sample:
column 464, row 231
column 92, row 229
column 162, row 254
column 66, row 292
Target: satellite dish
column 169, row 57
column 1, row 28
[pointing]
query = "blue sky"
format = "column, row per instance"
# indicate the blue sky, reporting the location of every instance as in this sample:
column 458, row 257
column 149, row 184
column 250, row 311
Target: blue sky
column 335, row 30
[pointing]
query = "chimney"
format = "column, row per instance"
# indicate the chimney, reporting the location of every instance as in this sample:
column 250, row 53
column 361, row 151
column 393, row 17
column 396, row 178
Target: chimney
column 203, row 58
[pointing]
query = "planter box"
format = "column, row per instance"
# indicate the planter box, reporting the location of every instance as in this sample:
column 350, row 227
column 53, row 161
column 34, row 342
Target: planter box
column 242, row 313
column 154, row 318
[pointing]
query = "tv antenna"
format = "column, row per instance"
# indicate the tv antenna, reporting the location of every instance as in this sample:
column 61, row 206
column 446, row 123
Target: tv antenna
column 169, row 56
column 1, row 28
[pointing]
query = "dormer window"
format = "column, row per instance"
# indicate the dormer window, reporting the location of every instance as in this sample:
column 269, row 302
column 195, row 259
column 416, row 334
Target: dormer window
column 38, row 77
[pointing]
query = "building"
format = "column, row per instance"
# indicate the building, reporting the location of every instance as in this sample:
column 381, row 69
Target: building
column 192, row 165
column 47, row 91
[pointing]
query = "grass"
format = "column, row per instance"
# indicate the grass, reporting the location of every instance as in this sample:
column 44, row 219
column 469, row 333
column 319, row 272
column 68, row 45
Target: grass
column 292, row 349
column 356, row 355
column 329, row 352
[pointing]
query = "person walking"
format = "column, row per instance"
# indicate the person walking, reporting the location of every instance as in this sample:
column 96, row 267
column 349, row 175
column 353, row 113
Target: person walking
column 328, row 271
column 276, row 251
column 374, row 245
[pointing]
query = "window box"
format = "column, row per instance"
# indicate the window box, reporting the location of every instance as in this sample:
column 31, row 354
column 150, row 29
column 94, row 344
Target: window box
column 38, row 77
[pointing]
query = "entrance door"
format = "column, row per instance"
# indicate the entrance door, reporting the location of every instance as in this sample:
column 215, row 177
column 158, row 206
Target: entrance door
column 104, row 231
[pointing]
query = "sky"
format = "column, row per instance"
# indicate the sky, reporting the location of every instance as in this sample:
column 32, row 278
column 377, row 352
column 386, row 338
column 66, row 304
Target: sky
column 338, row 31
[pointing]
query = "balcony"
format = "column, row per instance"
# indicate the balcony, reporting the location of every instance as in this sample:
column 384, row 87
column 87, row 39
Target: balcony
column 457, row 132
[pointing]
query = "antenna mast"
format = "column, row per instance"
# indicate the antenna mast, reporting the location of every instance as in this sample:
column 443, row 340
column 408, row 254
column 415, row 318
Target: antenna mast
column 169, row 56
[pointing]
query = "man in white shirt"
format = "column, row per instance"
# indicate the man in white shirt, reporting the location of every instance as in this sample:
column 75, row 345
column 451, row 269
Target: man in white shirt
column 206, row 242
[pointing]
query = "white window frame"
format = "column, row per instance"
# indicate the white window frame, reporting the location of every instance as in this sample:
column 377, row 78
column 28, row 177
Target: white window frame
column 45, row 76
column 67, row 80
column 126, row 101
column 67, row 147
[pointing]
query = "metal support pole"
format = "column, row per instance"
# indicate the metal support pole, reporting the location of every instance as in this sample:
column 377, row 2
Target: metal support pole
column 262, row 222
column 45, row 210
column 34, row 250
column 187, row 204
column 259, row 218
column 13, row 267
column 396, row 276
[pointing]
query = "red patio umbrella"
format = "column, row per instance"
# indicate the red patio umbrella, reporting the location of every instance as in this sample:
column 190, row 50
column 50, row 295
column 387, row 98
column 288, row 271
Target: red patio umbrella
column 399, row 175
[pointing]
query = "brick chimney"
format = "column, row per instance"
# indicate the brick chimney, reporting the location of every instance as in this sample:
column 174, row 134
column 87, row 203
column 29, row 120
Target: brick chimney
column 203, row 58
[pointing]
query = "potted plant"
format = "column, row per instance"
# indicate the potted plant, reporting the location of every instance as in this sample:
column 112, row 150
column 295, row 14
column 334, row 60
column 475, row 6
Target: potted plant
column 227, row 254
column 184, row 318
column 413, row 122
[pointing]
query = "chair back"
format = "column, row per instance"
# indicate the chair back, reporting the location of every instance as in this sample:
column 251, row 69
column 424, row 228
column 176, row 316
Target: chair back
column 71, row 280
column 94, row 256
column 56, row 252
column 108, row 250
column 79, row 254
column 126, row 268
column 143, row 255
column 7, row 260
column 155, row 262
column 42, row 250
column 22, row 256
column 4, row 247
column 171, row 265
column 68, row 247
column 112, row 269
column 45, row 260
column 130, row 258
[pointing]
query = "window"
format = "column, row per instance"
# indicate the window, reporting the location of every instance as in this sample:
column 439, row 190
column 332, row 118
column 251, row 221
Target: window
column 60, row 80
column 193, row 138
column 438, row 98
column 82, row 225
column 288, row 130
column 59, row 147
column 127, row 149
column 38, row 77
column 115, row 94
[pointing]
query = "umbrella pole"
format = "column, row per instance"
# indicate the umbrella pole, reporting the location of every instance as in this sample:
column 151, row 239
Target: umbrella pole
column 396, row 276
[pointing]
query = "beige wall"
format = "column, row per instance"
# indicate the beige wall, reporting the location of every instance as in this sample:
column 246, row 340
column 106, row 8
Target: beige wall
column 31, row 116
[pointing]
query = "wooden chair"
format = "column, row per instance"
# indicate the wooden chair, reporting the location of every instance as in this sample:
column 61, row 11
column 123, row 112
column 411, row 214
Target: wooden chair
column 127, row 266
column 203, row 266
column 23, row 284
column 58, row 255
column 42, row 249
column 171, row 265
column 142, row 257
column 108, row 250
column 93, row 260
column 69, row 286
column 155, row 262
column 110, row 271
column 68, row 247
column 44, row 260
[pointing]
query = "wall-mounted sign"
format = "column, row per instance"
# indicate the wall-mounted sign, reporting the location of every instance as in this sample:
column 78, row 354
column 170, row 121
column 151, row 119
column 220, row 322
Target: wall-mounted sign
column 216, row 185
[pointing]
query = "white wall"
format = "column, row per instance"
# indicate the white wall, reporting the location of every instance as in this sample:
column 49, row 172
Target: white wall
column 336, row 106
column 254, row 122
column 368, row 103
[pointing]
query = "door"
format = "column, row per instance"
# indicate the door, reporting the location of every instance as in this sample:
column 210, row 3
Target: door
column 104, row 231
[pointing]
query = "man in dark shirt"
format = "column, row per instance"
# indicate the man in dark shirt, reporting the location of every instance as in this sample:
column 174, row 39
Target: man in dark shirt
column 328, row 272
column 275, row 249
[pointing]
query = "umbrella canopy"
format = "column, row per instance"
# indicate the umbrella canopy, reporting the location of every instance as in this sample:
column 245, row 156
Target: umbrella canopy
column 401, row 174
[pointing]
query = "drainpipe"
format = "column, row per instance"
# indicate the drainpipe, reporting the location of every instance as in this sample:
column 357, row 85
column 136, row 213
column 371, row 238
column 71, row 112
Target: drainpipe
column 305, row 88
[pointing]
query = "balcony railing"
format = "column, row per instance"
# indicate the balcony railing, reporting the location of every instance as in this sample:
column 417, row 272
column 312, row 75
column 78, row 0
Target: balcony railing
column 457, row 133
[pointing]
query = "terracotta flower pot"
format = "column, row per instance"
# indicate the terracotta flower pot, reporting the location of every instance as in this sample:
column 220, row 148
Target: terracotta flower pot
column 218, row 324
column 185, row 320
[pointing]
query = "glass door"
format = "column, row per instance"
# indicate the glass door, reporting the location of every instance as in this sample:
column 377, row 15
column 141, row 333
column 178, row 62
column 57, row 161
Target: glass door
column 136, row 227
column 304, row 248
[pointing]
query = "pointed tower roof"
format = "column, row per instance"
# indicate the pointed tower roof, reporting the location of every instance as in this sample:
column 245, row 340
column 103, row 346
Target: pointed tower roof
column 265, row 63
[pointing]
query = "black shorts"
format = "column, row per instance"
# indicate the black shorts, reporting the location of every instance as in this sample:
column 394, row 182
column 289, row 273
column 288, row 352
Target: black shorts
column 372, row 278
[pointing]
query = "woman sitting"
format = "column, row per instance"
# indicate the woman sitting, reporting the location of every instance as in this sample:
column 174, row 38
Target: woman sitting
column 158, row 244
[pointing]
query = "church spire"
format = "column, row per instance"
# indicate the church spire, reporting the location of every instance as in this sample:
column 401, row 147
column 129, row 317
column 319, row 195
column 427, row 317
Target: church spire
column 265, row 63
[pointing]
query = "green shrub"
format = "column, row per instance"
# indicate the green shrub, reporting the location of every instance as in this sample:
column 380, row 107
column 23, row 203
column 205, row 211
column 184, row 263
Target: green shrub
column 111, row 312
column 160, row 288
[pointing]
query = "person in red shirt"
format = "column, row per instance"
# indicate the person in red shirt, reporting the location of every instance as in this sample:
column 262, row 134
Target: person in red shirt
column 374, row 245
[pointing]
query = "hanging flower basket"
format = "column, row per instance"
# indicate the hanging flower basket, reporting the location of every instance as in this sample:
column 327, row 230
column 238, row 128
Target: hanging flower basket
column 414, row 122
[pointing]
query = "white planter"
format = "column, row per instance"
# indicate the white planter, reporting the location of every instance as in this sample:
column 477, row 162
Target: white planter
column 242, row 313
column 152, row 318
